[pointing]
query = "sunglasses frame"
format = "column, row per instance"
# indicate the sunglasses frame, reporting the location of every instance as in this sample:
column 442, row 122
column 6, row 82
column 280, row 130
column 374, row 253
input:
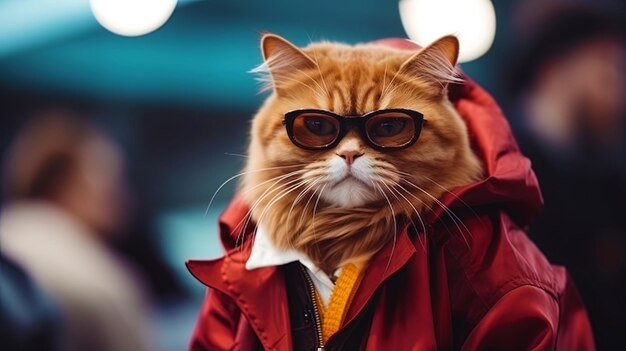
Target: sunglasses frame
column 359, row 122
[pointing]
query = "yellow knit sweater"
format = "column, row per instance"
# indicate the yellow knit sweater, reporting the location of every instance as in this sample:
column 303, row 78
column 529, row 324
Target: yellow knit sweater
column 340, row 299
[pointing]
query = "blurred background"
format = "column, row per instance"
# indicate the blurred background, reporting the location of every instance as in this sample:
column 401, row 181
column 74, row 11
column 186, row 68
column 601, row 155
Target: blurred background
column 114, row 141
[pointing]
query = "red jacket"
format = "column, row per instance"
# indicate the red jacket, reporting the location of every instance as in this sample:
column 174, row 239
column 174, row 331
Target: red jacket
column 444, row 289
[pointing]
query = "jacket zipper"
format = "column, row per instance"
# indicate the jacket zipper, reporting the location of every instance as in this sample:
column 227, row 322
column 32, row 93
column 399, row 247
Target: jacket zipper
column 316, row 313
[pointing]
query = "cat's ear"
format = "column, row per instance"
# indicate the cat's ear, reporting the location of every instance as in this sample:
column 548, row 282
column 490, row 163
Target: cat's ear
column 281, row 60
column 435, row 63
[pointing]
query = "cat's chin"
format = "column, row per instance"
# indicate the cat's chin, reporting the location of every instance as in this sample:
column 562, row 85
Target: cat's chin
column 350, row 193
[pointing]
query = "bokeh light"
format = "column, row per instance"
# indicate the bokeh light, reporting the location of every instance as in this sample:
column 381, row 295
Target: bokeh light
column 473, row 21
column 132, row 17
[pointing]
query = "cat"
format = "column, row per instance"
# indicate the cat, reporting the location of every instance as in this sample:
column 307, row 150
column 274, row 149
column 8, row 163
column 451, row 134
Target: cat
column 343, row 203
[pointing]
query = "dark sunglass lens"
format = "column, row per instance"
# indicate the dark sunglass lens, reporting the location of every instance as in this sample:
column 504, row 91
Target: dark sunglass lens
column 319, row 126
column 391, row 129
column 388, row 128
column 315, row 130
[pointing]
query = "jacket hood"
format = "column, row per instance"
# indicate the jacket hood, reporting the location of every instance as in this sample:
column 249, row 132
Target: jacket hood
column 509, row 182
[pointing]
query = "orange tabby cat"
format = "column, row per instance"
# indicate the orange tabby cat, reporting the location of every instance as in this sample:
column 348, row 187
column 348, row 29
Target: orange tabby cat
column 355, row 144
column 343, row 203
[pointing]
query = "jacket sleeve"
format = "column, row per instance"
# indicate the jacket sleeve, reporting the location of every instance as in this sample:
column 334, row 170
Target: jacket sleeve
column 217, row 323
column 526, row 318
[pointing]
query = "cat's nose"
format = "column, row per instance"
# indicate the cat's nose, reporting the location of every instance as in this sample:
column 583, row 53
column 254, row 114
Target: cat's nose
column 350, row 155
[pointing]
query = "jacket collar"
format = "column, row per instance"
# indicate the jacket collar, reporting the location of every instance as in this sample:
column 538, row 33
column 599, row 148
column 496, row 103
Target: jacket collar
column 265, row 254
column 252, row 289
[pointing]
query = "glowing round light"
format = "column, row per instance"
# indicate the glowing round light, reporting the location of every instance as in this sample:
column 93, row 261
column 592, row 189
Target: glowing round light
column 472, row 21
column 132, row 17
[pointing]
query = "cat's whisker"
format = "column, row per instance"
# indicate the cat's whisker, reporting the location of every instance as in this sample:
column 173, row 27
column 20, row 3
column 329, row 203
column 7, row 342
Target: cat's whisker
column 297, row 199
column 278, row 197
column 248, row 215
column 395, row 226
column 293, row 203
column 392, row 189
column 308, row 188
column 425, row 204
column 398, row 86
column 383, row 94
column 319, row 70
column 388, row 176
column 306, row 205
column 319, row 196
column 384, row 165
column 312, row 79
column 240, row 175
column 286, row 189
column 282, row 193
column 450, row 75
column 241, row 227
column 271, row 189
column 276, row 180
column 315, row 173
column 287, row 77
column 454, row 195
column 234, row 154
column 449, row 212
column 384, row 77
column 429, row 195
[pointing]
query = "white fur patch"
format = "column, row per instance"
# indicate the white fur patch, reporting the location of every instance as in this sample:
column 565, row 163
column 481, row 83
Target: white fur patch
column 350, row 186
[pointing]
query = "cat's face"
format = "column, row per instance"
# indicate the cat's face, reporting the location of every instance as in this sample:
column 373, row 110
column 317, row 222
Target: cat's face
column 355, row 81
column 341, row 203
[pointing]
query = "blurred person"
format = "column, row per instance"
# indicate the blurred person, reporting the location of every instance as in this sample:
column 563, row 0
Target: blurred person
column 570, row 88
column 65, row 201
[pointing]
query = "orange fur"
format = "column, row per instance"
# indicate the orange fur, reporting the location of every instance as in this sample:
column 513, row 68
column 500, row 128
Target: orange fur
column 284, row 184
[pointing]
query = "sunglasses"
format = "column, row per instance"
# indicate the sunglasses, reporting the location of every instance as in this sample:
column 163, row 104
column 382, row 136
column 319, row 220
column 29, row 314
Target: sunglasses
column 383, row 130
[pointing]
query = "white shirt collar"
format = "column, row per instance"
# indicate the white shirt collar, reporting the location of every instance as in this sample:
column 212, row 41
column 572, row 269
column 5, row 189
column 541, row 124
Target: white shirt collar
column 265, row 254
